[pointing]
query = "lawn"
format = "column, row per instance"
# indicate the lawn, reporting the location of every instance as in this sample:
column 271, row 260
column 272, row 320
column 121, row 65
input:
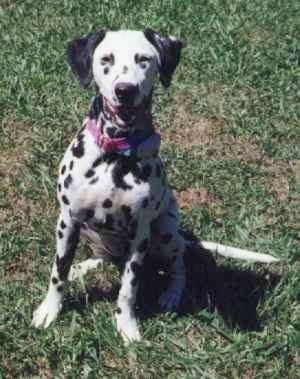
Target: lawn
column 230, row 124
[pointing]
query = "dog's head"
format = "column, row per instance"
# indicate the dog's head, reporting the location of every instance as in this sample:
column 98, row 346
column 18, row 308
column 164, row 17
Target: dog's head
column 123, row 65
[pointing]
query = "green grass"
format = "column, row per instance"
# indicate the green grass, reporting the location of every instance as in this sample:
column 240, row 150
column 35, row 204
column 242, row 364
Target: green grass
column 240, row 71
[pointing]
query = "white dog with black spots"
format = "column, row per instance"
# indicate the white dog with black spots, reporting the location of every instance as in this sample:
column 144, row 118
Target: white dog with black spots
column 112, row 186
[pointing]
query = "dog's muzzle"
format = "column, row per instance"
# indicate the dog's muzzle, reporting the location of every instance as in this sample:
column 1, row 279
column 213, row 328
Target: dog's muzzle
column 126, row 93
column 123, row 115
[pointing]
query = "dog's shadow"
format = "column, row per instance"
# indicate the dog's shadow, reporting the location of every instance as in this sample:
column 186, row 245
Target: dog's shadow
column 234, row 293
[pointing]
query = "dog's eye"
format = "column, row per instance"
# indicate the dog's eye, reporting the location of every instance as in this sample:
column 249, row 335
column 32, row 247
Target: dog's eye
column 142, row 59
column 107, row 59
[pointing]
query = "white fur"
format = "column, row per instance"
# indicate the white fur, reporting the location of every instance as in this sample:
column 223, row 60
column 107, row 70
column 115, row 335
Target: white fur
column 124, row 45
column 236, row 253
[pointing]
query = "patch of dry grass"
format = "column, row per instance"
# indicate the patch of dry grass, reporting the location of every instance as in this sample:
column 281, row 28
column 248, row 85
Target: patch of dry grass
column 210, row 137
column 193, row 197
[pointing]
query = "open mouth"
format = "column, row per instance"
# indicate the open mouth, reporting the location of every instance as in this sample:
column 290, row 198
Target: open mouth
column 124, row 115
column 127, row 114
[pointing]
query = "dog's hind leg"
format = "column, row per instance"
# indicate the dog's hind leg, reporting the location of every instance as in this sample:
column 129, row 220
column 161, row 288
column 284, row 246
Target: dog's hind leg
column 171, row 297
column 172, row 246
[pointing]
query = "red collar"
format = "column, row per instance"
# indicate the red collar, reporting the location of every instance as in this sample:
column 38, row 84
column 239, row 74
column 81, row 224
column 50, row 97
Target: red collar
column 142, row 145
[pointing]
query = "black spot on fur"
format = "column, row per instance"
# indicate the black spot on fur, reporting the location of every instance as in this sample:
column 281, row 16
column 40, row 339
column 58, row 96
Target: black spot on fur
column 134, row 282
column 136, row 268
column 106, row 70
column 97, row 162
column 112, row 59
column 63, row 224
column 78, row 151
column 93, row 181
column 158, row 170
column 123, row 166
column 71, row 165
column 89, row 173
column 118, row 310
column 145, row 203
column 65, row 200
column 64, row 263
column 63, row 169
column 60, row 234
column 60, row 288
column 121, row 169
column 54, row 280
column 127, row 212
column 59, row 187
column 107, row 203
column 166, row 238
column 68, row 181
column 143, row 245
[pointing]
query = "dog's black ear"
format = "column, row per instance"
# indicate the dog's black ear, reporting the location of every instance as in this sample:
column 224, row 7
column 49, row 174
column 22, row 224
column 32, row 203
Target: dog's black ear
column 169, row 52
column 80, row 56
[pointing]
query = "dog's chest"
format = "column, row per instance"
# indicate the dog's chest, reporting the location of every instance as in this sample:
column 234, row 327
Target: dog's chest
column 109, row 191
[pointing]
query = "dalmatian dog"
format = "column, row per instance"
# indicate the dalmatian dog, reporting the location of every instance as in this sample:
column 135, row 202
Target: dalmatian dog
column 112, row 186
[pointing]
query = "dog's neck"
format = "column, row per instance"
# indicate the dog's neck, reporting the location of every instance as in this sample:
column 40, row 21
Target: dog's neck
column 137, row 139
column 107, row 118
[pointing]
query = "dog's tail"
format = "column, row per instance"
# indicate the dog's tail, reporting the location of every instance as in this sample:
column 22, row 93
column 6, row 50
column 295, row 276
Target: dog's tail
column 234, row 252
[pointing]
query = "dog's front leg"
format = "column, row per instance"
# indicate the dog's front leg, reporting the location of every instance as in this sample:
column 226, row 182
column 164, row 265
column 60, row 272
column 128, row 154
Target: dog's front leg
column 125, row 313
column 66, row 240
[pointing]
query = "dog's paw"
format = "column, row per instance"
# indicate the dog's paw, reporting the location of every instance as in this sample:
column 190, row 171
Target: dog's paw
column 46, row 313
column 78, row 271
column 170, row 300
column 128, row 329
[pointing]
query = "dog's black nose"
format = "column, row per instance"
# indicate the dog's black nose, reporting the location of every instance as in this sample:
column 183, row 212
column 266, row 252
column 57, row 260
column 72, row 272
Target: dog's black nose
column 126, row 92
